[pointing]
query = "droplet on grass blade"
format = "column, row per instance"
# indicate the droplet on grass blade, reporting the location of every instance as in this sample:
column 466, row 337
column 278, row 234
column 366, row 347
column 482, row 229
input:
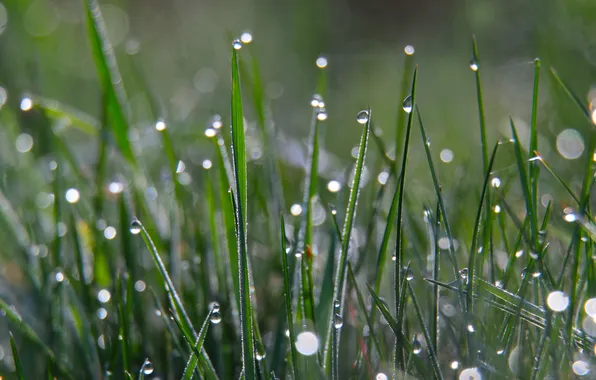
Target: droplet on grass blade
column 160, row 125
column 215, row 317
column 237, row 44
column 135, row 227
column 473, row 65
column 407, row 104
column 148, row 367
column 322, row 114
column 321, row 62
column 317, row 101
column 416, row 346
column 409, row 50
column 338, row 321
column 557, row 301
column 246, row 37
column 26, row 104
column 363, row 117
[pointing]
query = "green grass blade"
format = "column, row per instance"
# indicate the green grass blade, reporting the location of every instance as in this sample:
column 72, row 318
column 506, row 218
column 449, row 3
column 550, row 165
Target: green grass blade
column 338, row 289
column 532, row 165
column 17, row 360
column 399, row 252
column 192, row 362
column 438, row 193
column 180, row 313
column 305, row 235
column 109, row 77
column 382, row 257
column 571, row 94
column 483, row 141
column 473, row 250
column 401, row 119
column 433, row 355
column 288, row 302
column 241, row 197
column 76, row 118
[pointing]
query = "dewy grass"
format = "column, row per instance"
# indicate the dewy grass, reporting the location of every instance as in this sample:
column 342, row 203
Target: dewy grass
column 216, row 291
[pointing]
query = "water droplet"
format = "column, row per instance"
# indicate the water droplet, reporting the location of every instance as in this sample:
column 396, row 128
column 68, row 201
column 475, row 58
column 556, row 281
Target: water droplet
column 261, row 354
column 409, row 274
column 470, row 374
column 322, row 114
column 307, row 343
column 333, row 209
column 416, row 346
column 160, row 125
column 383, row 177
column 215, row 317
column 333, row 186
column 321, row 62
column 246, row 37
column 148, row 367
column 497, row 209
column 464, row 273
column 298, row 253
column 104, row 296
column 495, row 182
column 407, row 104
column 454, row 364
column 210, row 132
column 471, row 328
column 237, row 44
column 296, row 209
column 473, row 65
column 362, row 117
column 316, row 101
column 216, row 122
column 135, row 227
column 59, row 276
column 338, row 321
column 409, row 50
column 26, row 104
column 557, row 301
column 336, row 305
column 570, row 218
column 72, row 195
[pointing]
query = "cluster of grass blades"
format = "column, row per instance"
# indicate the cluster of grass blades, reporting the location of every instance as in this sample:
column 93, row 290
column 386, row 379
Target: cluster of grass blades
column 227, row 285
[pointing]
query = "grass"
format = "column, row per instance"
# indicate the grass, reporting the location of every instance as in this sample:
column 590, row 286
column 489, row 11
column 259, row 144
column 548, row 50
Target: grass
column 214, row 278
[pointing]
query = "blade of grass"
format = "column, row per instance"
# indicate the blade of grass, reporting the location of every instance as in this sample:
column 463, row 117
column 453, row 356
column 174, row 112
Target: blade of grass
column 433, row 355
column 241, row 198
column 399, row 253
column 180, row 313
column 192, row 362
column 483, row 142
column 17, row 360
column 338, row 289
column 401, row 120
column 288, row 302
column 109, row 77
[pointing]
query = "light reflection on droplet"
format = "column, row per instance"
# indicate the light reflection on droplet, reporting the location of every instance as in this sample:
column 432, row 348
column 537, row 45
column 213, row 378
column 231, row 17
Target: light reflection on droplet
column 296, row 209
column 307, row 343
column 246, row 37
column 497, row 209
column 102, row 313
column 207, row 164
column 446, row 155
column 557, row 301
column 409, row 50
column 104, row 296
column 160, row 125
column 470, row 374
column 72, row 195
column 59, row 276
column 210, row 132
column 570, row 144
column 454, row 364
column 140, row 286
column 109, row 233
column 24, row 143
column 333, row 186
column 473, row 65
column 180, row 167
column 237, row 44
column 383, row 177
column 321, row 62
column 495, row 182
column 26, row 104
column 580, row 368
column 116, row 187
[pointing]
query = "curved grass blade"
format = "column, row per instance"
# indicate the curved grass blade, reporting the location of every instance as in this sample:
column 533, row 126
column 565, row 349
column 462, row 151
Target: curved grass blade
column 288, row 302
column 338, row 289
column 241, row 200
column 109, row 77
column 571, row 94
column 481, row 117
column 59, row 111
column 192, row 362
column 401, row 119
column 17, row 360
column 181, row 316
column 433, row 355
column 438, row 193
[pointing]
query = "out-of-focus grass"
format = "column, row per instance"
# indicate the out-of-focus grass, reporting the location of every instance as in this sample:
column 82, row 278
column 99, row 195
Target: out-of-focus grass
column 493, row 260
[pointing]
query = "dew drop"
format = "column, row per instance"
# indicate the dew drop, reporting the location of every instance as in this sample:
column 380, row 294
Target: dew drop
column 409, row 274
column 473, row 65
column 322, row 114
column 307, row 343
column 495, row 182
column 298, row 253
column 215, row 317
column 135, row 227
column 237, row 44
column 407, row 104
column 338, row 321
column 316, row 101
column 416, row 346
column 333, row 186
column 261, row 354
column 464, row 273
column 148, row 367
column 246, row 37
column 557, row 301
column 362, row 117
column 333, row 209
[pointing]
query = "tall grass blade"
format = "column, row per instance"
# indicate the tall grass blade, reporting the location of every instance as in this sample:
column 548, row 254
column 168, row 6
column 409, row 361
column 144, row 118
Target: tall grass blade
column 192, row 362
column 16, row 358
column 288, row 302
column 241, row 197
column 483, row 141
column 338, row 289
column 109, row 77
